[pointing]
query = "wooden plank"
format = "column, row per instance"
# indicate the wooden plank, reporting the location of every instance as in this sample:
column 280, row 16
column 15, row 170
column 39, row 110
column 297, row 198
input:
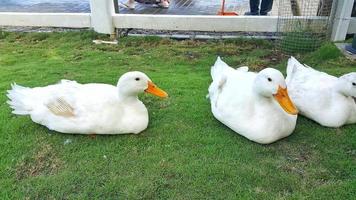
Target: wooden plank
column 70, row 20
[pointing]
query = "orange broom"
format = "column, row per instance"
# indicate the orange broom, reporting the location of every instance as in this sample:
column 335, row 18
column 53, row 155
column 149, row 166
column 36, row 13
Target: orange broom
column 222, row 12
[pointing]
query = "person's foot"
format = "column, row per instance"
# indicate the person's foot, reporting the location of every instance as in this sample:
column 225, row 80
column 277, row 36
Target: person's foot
column 164, row 3
column 251, row 13
column 130, row 4
column 264, row 13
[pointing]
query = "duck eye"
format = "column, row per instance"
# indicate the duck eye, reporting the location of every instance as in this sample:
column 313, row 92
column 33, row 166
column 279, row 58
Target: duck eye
column 137, row 79
column 269, row 79
column 354, row 84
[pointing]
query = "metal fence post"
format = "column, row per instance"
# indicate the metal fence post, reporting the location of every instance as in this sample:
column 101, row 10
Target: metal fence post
column 342, row 19
column 101, row 16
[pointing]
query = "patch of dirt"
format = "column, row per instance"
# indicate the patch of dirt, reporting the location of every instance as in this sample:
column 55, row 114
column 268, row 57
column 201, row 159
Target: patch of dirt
column 192, row 43
column 107, row 48
column 192, row 55
column 76, row 56
column 227, row 51
column 43, row 162
column 296, row 160
column 275, row 57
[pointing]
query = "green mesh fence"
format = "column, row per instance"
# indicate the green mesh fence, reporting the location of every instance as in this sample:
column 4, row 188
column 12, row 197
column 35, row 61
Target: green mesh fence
column 304, row 25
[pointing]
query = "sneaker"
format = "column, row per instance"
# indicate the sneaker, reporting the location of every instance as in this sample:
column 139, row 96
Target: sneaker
column 251, row 13
column 130, row 5
column 164, row 4
column 264, row 14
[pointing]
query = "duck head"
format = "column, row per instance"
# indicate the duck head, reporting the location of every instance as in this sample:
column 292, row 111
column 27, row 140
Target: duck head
column 270, row 83
column 134, row 83
column 346, row 85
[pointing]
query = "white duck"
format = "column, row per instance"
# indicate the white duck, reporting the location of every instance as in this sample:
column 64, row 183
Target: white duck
column 255, row 105
column 326, row 99
column 71, row 107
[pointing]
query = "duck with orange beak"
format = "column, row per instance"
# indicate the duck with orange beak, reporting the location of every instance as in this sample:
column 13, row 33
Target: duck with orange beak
column 321, row 97
column 71, row 107
column 255, row 105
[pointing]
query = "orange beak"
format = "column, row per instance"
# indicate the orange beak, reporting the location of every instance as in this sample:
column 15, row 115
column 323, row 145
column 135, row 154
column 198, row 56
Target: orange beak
column 286, row 103
column 153, row 89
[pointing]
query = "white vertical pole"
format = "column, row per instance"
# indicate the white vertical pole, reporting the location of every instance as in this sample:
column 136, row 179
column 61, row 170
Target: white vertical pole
column 342, row 19
column 101, row 16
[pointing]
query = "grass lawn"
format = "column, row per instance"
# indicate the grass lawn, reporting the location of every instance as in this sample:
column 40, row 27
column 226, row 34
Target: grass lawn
column 185, row 153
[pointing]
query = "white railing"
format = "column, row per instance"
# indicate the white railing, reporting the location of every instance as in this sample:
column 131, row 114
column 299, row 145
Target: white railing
column 104, row 20
column 197, row 22
column 342, row 19
column 352, row 26
column 70, row 20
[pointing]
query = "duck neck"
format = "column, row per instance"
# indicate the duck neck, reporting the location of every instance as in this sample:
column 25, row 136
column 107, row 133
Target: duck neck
column 339, row 89
column 260, row 99
column 265, row 104
column 128, row 98
column 126, row 95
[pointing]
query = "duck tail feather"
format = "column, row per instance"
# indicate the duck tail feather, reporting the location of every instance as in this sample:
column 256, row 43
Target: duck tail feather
column 219, row 68
column 218, row 74
column 292, row 68
column 18, row 96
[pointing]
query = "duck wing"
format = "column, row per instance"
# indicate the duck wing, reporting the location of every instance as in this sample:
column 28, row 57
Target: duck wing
column 219, row 73
column 308, row 88
column 61, row 107
column 67, row 107
column 302, row 75
column 54, row 98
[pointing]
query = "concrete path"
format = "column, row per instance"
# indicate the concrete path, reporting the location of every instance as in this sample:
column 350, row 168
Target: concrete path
column 195, row 7
column 178, row 7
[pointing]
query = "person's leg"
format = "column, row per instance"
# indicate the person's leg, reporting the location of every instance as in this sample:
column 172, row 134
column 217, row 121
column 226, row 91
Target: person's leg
column 266, row 6
column 130, row 4
column 254, row 7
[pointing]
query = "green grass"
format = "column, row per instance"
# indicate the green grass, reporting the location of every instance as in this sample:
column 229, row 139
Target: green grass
column 185, row 153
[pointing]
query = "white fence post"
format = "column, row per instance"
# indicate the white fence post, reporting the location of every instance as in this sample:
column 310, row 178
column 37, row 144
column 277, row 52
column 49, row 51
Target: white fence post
column 101, row 16
column 342, row 19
